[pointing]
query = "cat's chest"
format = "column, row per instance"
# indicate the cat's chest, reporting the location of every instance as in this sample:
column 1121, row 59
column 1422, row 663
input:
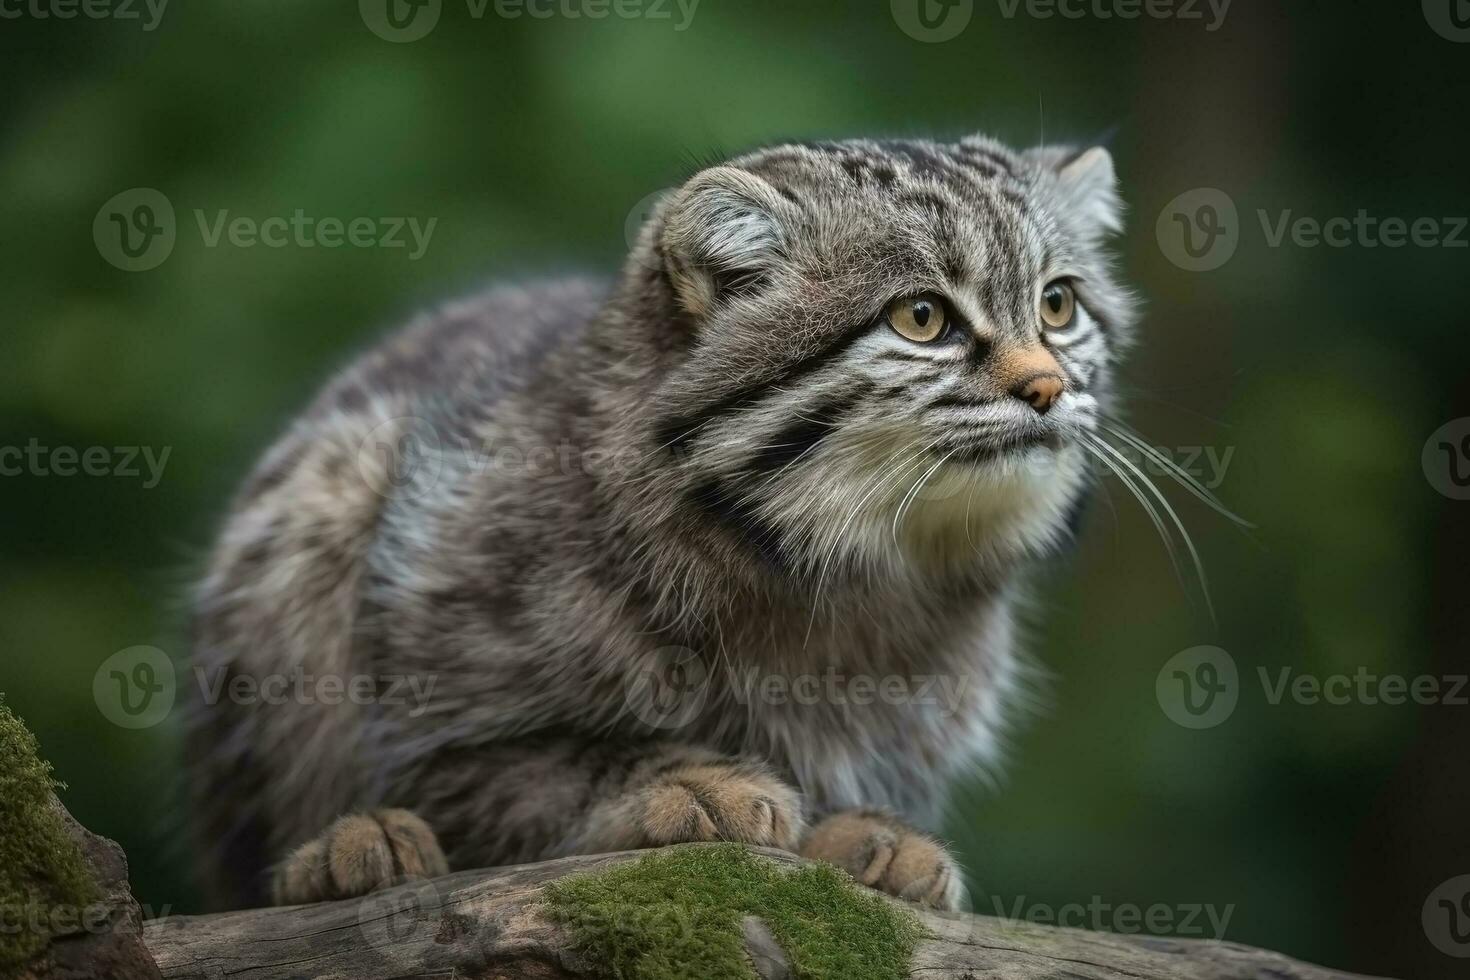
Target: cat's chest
column 890, row 733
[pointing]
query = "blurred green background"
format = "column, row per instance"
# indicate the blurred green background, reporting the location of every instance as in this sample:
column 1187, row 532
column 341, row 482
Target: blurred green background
column 1324, row 369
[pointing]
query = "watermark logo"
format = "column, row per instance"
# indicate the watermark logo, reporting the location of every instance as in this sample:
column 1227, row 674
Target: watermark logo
column 1446, row 459
column 135, row 230
column 387, row 919
column 135, row 688
column 1127, row 918
column 1364, row 687
column 668, row 688
column 932, row 21
column 1450, row 19
column 638, row 216
column 1181, row 10
column 48, row 920
column 400, row 21
column 401, row 457
column 1198, row 687
column 128, row 462
column 296, row 686
column 148, row 12
column 1199, row 230
column 1446, row 917
column 941, row 694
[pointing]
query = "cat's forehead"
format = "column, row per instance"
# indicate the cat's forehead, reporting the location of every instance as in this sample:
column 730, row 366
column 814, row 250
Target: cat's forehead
column 885, row 167
column 916, row 214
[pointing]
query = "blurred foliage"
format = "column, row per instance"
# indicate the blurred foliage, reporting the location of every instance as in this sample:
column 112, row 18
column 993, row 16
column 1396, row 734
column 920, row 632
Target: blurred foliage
column 1324, row 369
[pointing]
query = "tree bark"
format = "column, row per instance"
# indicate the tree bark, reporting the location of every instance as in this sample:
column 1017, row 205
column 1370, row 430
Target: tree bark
column 478, row 925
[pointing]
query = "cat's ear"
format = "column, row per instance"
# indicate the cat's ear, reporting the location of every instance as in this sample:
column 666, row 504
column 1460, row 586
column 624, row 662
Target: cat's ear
column 722, row 236
column 1083, row 187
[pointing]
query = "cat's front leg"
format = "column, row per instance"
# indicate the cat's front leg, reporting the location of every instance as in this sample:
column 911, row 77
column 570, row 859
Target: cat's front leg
column 357, row 854
column 883, row 852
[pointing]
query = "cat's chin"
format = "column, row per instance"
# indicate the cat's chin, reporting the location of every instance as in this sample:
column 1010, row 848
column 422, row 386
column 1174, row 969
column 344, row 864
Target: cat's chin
column 1001, row 503
column 1039, row 449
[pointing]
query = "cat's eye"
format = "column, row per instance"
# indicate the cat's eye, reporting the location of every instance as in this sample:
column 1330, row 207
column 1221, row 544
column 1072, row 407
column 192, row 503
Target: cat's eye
column 1058, row 305
column 920, row 318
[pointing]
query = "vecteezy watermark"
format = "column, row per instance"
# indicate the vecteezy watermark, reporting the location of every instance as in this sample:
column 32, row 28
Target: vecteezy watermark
column 391, row 917
column 1204, row 920
column 1450, row 19
column 123, row 462
column 1200, row 230
column 668, row 688
column 137, row 229
column 1446, row 917
column 1198, row 687
column 97, row 918
column 638, row 216
column 147, row 12
column 1446, row 459
column 671, row 685
column 1181, row 10
column 137, row 688
column 932, row 21
column 297, row 686
column 1365, row 687
column 401, row 21
column 944, row 694
column 1208, row 465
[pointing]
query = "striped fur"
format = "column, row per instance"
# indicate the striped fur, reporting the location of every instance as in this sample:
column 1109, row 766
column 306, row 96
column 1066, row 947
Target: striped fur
column 724, row 456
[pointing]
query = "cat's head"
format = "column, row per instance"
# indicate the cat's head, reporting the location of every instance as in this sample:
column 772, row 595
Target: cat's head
column 885, row 340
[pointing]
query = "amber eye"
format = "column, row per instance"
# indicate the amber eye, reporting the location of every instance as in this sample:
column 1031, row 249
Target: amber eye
column 1058, row 303
column 920, row 318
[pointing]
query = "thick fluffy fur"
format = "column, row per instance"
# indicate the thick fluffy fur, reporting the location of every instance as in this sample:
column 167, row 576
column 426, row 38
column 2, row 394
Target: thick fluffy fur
column 564, row 505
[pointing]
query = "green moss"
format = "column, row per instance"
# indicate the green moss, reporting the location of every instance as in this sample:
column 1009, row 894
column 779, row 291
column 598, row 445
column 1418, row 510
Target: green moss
column 41, row 868
column 677, row 914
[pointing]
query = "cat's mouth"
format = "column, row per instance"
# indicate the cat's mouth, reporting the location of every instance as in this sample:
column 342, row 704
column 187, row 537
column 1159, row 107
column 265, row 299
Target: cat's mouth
column 980, row 453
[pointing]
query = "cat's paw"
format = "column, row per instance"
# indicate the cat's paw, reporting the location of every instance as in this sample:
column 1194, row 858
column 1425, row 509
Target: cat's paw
column 726, row 801
column 883, row 853
column 358, row 854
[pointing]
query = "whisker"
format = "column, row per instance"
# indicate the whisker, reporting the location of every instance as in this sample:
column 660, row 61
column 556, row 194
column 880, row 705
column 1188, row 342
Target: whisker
column 1199, row 567
column 1146, row 504
column 881, row 480
column 908, row 499
column 1181, row 476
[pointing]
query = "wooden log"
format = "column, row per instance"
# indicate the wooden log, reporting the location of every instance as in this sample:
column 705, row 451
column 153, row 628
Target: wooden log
column 479, row 925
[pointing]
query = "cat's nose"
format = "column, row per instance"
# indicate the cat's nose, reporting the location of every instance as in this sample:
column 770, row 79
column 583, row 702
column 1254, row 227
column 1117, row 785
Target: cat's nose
column 1039, row 391
column 1031, row 373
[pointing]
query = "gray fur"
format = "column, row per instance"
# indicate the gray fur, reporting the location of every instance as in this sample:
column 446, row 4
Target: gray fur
column 605, row 489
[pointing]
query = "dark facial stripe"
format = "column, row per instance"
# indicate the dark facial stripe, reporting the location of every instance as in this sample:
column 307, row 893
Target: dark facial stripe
column 903, row 355
column 676, row 433
column 955, row 401
column 801, row 436
column 726, row 509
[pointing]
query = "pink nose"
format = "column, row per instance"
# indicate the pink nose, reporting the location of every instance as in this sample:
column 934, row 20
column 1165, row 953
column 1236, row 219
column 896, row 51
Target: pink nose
column 1039, row 391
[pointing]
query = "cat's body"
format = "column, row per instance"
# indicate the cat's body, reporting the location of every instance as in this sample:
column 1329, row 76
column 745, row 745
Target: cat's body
column 706, row 552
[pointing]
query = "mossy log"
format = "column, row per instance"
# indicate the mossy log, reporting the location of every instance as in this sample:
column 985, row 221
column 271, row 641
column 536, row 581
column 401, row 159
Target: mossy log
column 495, row 924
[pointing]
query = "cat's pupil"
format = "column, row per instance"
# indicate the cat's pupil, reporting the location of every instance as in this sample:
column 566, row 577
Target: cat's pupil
column 1054, row 300
column 921, row 314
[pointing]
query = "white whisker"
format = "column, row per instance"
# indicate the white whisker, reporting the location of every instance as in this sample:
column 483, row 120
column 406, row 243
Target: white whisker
column 1181, row 476
column 1199, row 567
